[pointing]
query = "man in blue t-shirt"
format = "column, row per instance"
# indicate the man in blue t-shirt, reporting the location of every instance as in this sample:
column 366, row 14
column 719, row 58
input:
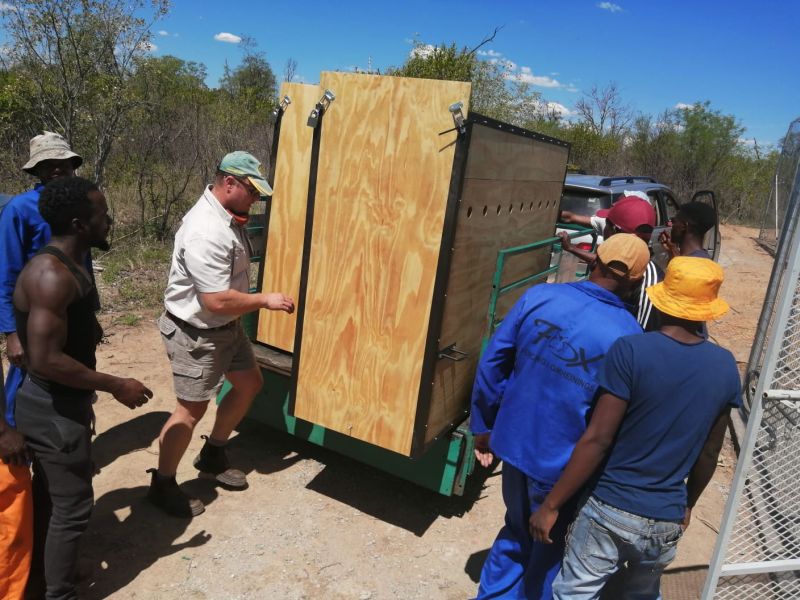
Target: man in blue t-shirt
column 660, row 419
column 533, row 389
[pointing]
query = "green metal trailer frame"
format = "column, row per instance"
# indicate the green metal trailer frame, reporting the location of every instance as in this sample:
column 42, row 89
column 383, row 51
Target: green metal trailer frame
column 446, row 465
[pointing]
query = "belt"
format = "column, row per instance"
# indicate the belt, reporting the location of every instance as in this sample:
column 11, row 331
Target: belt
column 182, row 323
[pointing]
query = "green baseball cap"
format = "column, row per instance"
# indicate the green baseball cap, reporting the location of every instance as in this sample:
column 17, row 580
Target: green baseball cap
column 244, row 164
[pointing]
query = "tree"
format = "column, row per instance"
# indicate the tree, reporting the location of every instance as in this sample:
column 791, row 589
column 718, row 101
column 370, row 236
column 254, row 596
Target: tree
column 603, row 112
column 495, row 91
column 252, row 84
column 78, row 56
column 707, row 140
column 290, row 70
column 163, row 151
column 245, row 104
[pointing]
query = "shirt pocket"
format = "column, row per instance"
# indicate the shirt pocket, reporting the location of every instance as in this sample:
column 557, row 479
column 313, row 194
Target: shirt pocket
column 241, row 262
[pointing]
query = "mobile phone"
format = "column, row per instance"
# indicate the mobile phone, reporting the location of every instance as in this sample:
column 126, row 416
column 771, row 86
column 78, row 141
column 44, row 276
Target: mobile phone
column 657, row 250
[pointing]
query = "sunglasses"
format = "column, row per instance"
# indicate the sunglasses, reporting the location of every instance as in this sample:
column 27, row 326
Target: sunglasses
column 249, row 188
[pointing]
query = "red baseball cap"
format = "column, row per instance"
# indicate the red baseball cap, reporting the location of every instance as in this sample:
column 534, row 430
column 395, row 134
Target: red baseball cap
column 630, row 212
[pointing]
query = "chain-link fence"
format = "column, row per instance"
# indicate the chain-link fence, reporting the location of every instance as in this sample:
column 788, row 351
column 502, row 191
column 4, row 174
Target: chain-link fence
column 775, row 209
column 758, row 550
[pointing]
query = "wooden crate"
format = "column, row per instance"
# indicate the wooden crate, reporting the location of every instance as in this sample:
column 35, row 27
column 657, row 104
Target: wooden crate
column 509, row 197
column 400, row 246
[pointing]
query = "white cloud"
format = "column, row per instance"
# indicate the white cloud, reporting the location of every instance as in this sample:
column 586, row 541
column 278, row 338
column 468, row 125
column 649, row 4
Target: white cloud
column 148, row 47
column 423, row 51
column 559, row 109
column 6, row 7
column 537, row 80
column 228, row 38
column 163, row 33
column 682, row 105
column 490, row 53
column 610, row 6
column 526, row 75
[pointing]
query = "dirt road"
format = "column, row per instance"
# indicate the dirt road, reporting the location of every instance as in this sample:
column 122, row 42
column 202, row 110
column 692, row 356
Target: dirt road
column 314, row 524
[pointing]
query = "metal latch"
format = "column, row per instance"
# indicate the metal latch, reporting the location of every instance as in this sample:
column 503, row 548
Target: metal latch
column 452, row 353
column 456, row 109
column 321, row 107
column 285, row 102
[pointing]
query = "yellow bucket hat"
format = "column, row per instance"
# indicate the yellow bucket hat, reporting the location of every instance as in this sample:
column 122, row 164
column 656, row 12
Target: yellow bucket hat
column 690, row 290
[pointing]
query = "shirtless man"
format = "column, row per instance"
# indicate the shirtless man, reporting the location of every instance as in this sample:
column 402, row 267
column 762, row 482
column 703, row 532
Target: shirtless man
column 54, row 303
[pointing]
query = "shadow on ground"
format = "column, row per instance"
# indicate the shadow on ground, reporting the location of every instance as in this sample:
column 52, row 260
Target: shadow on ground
column 127, row 534
column 475, row 564
column 259, row 448
column 118, row 548
column 129, row 436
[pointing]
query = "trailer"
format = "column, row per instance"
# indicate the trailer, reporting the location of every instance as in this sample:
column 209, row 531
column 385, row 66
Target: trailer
column 405, row 227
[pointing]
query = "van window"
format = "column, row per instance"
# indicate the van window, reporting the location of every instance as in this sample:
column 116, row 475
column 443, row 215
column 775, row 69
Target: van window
column 671, row 204
column 660, row 217
column 584, row 202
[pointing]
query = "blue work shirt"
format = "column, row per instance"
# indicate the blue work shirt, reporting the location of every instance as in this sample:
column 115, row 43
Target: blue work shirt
column 23, row 232
column 675, row 392
column 537, row 377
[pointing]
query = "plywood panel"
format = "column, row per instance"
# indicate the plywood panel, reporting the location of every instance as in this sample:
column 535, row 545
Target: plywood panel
column 510, row 198
column 288, row 214
column 382, row 187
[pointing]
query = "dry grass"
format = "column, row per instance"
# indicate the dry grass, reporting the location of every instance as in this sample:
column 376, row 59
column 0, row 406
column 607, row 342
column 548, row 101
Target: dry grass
column 133, row 277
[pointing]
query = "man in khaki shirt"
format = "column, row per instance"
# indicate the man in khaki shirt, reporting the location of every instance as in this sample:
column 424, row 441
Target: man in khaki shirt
column 206, row 294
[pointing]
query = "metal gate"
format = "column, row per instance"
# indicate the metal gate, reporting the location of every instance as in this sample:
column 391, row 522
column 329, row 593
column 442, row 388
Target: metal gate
column 776, row 207
column 758, row 550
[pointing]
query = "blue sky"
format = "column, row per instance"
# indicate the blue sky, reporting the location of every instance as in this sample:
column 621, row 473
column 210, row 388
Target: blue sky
column 740, row 55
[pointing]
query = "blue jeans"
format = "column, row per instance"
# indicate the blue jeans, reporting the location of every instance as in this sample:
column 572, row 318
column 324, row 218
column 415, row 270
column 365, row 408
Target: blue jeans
column 517, row 567
column 602, row 539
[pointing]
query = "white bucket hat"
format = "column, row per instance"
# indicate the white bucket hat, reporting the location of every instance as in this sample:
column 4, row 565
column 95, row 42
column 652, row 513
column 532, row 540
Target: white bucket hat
column 50, row 146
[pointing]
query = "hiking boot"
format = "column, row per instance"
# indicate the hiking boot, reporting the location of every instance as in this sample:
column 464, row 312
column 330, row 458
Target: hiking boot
column 166, row 495
column 212, row 462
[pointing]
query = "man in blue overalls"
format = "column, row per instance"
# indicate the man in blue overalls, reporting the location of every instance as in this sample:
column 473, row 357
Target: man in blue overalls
column 530, row 403
column 23, row 232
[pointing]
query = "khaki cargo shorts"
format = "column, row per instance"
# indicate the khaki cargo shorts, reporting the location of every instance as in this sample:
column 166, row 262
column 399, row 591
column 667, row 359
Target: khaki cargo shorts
column 201, row 357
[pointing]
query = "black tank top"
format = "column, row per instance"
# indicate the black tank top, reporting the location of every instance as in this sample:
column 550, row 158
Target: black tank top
column 83, row 330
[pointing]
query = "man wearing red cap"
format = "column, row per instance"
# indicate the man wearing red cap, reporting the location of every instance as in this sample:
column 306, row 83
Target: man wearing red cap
column 630, row 214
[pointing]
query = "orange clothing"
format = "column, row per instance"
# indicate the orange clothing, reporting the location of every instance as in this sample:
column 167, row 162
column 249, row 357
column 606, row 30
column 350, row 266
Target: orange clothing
column 16, row 530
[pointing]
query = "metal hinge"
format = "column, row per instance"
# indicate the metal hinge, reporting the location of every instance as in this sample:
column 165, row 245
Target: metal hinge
column 452, row 353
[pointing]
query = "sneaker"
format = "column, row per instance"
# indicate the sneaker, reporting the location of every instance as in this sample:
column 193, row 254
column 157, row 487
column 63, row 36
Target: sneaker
column 212, row 462
column 166, row 495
